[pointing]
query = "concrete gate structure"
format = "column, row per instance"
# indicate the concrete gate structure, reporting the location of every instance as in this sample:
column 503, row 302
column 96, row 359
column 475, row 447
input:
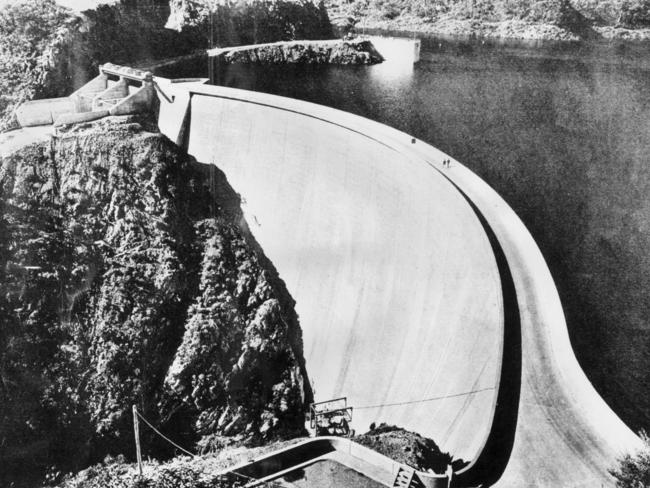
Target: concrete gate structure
column 117, row 90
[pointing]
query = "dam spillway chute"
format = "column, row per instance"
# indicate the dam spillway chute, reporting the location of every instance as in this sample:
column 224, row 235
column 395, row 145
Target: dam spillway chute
column 398, row 266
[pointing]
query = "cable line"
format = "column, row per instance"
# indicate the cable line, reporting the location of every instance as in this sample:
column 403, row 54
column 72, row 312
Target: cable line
column 164, row 436
column 250, row 479
column 423, row 399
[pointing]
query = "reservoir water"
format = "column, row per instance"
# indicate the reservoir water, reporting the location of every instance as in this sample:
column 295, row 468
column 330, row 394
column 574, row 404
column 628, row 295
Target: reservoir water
column 562, row 132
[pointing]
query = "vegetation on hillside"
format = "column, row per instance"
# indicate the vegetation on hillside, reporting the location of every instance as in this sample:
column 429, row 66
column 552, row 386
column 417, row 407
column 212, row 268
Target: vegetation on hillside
column 28, row 30
column 574, row 18
column 627, row 12
column 408, row 448
column 240, row 22
column 180, row 472
column 47, row 51
column 633, row 470
column 125, row 280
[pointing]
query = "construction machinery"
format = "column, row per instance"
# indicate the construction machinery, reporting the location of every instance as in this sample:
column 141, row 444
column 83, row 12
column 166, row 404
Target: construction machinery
column 331, row 417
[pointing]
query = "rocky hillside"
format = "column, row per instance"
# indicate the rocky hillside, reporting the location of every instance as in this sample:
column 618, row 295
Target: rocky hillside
column 355, row 51
column 526, row 19
column 408, row 448
column 47, row 50
column 128, row 276
column 241, row 22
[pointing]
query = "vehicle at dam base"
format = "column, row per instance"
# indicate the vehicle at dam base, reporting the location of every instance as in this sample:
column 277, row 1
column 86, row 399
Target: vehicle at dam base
column 330, row 417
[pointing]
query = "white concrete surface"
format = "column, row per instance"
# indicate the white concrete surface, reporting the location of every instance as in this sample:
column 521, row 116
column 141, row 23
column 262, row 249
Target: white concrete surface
column 566, row 435
column 15, row 140
column 397, row 49
column 397, row 287
column 43, row 112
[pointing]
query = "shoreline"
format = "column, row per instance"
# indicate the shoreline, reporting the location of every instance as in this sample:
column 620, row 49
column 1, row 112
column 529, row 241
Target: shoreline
column 327, row 51
column 505, row 30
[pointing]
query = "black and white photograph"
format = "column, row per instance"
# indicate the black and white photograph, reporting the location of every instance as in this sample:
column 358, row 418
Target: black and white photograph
column 324, row 243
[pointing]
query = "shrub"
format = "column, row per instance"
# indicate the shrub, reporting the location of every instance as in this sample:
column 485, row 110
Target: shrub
column 633, row 471
column 423, row 8
column 635, row 14
column 387, row 9
column 178, row 473
column 359, row 8
column 27, row 29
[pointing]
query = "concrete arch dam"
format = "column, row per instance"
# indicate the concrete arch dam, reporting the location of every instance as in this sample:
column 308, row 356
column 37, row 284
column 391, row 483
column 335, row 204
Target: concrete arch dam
column 421, row 295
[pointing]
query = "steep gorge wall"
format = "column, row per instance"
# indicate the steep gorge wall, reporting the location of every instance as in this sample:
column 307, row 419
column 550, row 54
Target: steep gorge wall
column 129, row 277
column 241, row 23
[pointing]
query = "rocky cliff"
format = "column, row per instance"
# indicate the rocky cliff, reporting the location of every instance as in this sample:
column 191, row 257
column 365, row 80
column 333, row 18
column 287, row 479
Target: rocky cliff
column 128, row 276
column 240, row 22
column 525, row 19
column 48, row 51
column 354, row 51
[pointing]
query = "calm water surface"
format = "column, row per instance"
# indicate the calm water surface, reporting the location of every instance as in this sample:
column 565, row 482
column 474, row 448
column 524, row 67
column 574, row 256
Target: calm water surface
column 562, row 132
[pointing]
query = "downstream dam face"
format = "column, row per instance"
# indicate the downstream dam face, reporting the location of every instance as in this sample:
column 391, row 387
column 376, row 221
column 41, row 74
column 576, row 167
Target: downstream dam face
column 422, row 297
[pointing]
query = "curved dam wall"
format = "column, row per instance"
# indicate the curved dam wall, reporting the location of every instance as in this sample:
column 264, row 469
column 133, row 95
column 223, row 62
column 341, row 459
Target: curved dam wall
column 394, row 279
column 398, row 266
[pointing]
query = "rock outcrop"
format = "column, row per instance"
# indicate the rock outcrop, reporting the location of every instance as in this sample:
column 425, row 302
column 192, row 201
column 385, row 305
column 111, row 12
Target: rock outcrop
column 239, row 23
column 408, row 448
column 356, row 51
column 128, row 276
column 48, row 51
